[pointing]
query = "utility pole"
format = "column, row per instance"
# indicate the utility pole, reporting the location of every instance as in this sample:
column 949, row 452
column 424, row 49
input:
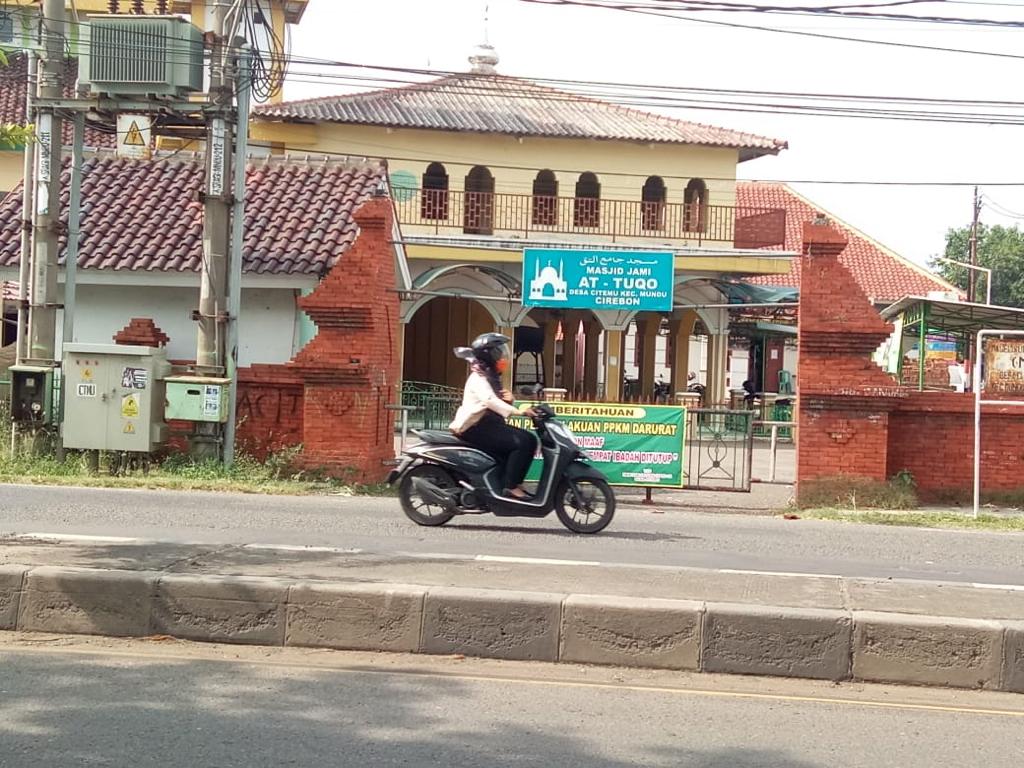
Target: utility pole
column 27, row 214
column 973, row 246
column 42, row 322
column 211, row 357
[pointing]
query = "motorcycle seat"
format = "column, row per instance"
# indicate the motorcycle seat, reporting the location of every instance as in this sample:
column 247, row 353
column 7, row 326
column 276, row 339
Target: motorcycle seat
column 437, row 437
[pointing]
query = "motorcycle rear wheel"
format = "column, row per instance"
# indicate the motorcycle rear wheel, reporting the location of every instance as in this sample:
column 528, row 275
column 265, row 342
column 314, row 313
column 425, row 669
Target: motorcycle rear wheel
column 418, row 509
column 592, row 511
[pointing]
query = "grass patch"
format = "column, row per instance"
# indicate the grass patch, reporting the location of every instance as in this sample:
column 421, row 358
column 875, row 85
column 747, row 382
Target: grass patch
column 922, row 519
column 178, row 472
column 856, row 493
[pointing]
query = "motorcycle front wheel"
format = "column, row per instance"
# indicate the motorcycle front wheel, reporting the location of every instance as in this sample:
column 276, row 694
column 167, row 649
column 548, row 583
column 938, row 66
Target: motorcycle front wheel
column 422, row 511
column 585, row 505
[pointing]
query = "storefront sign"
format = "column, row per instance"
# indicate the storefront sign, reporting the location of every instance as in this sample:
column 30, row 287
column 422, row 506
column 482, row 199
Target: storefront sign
column 1004, row 366
column 639, row 445
column 571, row 279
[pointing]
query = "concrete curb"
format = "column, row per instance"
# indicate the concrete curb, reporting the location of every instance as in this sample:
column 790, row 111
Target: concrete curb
column 587, row 629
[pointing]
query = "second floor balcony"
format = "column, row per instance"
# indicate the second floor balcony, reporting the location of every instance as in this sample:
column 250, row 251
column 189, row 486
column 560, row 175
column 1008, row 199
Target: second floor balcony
column 443, row 211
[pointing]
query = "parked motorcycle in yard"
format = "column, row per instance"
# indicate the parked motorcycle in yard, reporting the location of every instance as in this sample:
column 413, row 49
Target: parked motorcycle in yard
column 443, row 477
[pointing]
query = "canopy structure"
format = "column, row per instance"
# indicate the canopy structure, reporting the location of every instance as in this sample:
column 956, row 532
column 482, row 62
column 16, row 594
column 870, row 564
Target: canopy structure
column 920, row 318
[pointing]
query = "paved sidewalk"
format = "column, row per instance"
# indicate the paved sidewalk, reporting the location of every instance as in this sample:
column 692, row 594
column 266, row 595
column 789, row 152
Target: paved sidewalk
column 826, row 627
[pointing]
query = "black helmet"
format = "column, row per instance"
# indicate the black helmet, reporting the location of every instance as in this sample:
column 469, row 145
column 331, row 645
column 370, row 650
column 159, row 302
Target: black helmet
column 488, row 348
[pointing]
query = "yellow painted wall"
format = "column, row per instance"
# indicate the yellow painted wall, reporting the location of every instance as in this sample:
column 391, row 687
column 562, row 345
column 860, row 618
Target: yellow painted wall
column 11, row 166
column 621, row 166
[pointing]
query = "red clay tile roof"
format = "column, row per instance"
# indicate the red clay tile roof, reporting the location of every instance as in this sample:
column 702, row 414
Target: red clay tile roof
column 883, row 274
column 13, row 81
column 146, row 214
column 513, row 106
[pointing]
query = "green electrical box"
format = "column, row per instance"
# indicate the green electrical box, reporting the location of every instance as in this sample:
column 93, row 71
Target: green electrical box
column 197, row 398
column 31, row 394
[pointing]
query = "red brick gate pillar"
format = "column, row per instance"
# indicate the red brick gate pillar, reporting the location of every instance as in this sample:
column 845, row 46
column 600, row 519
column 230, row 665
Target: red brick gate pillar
column 351, row 367
column 844, row 397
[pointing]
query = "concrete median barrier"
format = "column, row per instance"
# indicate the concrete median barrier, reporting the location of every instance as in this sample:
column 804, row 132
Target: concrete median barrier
column 361, row 617
column 87, row 601
column 221, row 609
column 787, row 642
column 491, row 623
column 12, row 578
column 927, row 650
column 1013, row 658
column 728, row 638
column 631, row 632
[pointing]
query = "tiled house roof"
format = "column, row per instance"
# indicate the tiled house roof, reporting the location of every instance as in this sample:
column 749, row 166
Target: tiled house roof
column 8, row 290
column 481, row 103
column 882, row 273
column 13, row 83
column 146, row 214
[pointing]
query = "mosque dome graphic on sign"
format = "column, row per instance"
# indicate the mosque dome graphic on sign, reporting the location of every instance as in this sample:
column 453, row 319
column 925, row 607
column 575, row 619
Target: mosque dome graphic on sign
column 549, row 284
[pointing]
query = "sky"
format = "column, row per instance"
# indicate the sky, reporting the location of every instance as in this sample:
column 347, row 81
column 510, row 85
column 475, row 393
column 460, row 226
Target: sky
column 550, row 41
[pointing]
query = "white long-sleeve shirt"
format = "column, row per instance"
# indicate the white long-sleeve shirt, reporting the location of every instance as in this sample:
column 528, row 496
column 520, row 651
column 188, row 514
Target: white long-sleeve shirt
column 478, row 398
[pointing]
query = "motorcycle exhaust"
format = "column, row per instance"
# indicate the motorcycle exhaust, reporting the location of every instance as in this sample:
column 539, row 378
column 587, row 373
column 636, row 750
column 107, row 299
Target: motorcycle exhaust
column 431, row 494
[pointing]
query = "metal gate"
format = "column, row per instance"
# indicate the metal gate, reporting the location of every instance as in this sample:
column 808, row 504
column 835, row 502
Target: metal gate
column 719, row 449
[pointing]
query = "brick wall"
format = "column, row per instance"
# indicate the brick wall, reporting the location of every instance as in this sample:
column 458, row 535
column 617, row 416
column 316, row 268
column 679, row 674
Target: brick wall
column 856, row 420
column 350, row 368
column 844, row 398
column 270, row 409
column 932, row 436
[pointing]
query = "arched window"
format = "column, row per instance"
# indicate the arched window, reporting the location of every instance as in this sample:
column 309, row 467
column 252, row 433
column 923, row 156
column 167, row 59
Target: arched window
column 653, row 205
column 586, row 209
column 695, row 206
column 545, row 199
column 478, row 214
column 434, row 200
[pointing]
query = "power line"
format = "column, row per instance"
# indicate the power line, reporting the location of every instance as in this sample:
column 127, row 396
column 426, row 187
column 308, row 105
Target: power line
column 794, row 32
column 830, row 11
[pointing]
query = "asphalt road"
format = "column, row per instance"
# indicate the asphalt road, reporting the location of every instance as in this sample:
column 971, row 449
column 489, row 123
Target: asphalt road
column 83, row 702
column 638, row 536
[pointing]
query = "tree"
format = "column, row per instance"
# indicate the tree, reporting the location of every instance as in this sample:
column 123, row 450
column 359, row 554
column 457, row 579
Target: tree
column 1000, row 249
column 12, row 135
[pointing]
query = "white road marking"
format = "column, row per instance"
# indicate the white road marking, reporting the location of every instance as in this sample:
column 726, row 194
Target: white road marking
column 84, row 538
column 1011, row 587
column 454, row 557
column 778, row 573
column 303, row 548
column 534, row 560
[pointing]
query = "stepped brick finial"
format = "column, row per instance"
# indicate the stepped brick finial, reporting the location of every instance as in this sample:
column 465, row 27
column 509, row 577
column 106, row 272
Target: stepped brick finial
column 141, row 332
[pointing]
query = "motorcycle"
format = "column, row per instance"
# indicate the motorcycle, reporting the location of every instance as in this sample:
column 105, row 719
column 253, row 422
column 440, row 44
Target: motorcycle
column 443, row 477
column 662, row 391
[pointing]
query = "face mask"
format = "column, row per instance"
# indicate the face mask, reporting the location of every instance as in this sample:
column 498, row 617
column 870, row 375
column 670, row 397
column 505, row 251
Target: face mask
column 501, row 366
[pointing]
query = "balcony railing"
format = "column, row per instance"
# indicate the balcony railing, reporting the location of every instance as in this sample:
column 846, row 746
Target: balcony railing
column 484, row 213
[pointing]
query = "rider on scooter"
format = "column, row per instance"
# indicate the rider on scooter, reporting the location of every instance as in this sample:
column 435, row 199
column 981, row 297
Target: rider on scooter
column 480, row 420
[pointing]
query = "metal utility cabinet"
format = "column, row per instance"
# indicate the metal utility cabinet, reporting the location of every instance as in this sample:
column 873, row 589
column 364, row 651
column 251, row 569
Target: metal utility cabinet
column 114, row 397
column 198, row 398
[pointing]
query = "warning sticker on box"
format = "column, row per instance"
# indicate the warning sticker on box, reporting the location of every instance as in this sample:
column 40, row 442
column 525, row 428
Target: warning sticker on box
column 130, row 407
column 87, row 390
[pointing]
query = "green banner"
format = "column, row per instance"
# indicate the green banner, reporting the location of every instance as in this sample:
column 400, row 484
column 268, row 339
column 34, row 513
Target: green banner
column 639, row 445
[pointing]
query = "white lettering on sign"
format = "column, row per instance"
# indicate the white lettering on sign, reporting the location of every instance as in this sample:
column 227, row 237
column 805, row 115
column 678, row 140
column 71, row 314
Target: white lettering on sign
column 44, row 136
column 44, row 167
column 218, row 159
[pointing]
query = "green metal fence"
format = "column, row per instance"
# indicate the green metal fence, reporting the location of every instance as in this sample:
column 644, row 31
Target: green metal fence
column 777, row 413
column 434, row 405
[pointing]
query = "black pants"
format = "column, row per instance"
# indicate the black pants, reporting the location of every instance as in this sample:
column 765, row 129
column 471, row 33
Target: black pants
column 511, row 445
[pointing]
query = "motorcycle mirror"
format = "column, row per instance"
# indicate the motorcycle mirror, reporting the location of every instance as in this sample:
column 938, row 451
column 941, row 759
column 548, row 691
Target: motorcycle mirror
column 463, row 353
